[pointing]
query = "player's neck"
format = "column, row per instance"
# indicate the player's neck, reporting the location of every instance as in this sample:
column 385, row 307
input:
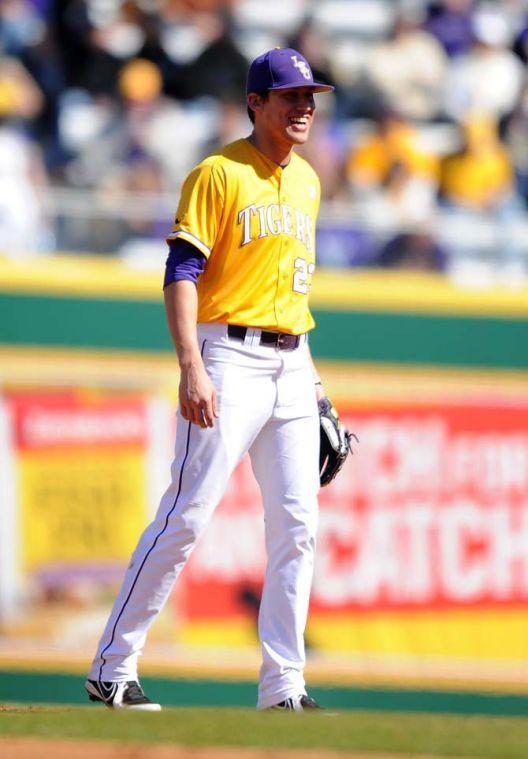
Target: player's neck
column 279, row 154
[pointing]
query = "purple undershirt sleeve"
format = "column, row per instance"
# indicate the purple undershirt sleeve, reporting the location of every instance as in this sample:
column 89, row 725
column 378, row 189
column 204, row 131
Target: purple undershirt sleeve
column 183, row 262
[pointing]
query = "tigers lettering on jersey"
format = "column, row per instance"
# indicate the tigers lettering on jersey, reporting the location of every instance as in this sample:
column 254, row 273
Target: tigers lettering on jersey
column 276, row 219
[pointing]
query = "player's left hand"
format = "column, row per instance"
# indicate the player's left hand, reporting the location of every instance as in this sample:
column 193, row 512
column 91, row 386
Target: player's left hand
column 335, row 442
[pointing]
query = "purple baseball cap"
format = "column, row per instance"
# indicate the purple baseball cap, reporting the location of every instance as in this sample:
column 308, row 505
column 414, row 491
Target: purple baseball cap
column 281, row 69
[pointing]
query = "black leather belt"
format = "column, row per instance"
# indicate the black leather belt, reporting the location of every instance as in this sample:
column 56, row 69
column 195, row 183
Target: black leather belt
column 281, row 340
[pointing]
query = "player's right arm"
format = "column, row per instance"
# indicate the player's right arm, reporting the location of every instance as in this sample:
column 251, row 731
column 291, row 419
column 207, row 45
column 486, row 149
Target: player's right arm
column 197, row 394
column 191, row 241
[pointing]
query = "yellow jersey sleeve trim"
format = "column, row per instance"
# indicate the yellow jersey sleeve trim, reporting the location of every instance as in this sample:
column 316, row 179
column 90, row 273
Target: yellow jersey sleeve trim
column 192, row 239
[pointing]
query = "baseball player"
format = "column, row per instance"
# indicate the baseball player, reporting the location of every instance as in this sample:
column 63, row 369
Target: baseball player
column 242, row 256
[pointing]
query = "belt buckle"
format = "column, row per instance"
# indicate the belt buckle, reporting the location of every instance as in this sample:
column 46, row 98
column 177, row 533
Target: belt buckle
column 280, row 340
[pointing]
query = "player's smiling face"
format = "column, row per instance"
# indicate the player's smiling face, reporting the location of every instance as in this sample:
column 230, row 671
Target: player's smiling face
column 286, row 115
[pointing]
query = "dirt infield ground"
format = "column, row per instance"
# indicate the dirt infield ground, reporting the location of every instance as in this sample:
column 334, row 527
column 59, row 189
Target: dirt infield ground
column 29, row 748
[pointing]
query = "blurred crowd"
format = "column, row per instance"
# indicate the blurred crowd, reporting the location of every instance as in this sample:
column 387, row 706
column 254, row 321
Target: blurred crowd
column 422, row 151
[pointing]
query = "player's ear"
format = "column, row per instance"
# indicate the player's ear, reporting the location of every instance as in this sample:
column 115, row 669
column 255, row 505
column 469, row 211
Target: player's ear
column 254, row 101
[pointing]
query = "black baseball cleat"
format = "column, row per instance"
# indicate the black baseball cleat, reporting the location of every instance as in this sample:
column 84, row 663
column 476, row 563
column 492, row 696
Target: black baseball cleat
column 297, row 704
column 125, row 695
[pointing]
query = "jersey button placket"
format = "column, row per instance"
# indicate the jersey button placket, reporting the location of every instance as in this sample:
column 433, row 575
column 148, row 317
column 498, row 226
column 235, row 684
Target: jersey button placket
column 282, row 281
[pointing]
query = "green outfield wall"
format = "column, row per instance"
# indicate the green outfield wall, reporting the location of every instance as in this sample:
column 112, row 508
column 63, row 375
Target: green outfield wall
column 361, row 317
column 384, row 336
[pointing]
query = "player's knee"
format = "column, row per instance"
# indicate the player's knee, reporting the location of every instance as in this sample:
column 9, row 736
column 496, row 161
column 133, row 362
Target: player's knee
column 195, row 518
column 301, row 515
column 298, row 541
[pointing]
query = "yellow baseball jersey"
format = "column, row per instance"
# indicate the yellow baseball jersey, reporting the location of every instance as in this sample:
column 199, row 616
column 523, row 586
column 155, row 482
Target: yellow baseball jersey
column 255, row 223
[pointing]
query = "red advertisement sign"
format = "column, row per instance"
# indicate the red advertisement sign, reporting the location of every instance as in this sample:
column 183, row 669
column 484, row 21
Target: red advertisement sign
column 430, row 512
column 65, row 420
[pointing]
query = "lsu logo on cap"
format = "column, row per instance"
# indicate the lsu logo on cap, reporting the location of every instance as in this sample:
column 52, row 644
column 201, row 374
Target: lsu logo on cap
column 302, row 66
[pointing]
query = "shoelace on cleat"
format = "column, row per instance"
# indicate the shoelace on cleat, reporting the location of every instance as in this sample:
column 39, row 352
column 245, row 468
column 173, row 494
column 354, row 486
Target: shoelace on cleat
column 134, row 692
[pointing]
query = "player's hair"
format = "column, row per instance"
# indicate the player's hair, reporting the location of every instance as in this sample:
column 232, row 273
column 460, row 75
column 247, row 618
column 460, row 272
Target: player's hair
column 250, row 112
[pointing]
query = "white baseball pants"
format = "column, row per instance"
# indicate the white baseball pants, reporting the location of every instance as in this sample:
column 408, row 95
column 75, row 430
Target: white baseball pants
column 267, row 406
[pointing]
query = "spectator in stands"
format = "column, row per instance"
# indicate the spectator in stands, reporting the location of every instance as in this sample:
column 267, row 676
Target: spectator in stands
column 311, row 42
column 327, row 149
column 25, row 35
column 20, row 97
column 229, row 125
column 480, row 176
column 92, row 54
column 23, row 227
column 394, row 146
column 412, row 249
column 156, row 28
column 520, row 46
column 450, row 21
column 490, row 77
column 477, row 184
column 220, row 70
column 392, row 175
column 516, row 138
column 21, row 26
column 157, row 126
column 409, row 69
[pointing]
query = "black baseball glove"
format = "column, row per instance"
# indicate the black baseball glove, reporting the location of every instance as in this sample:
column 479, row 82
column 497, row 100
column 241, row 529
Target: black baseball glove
column 335, row 442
